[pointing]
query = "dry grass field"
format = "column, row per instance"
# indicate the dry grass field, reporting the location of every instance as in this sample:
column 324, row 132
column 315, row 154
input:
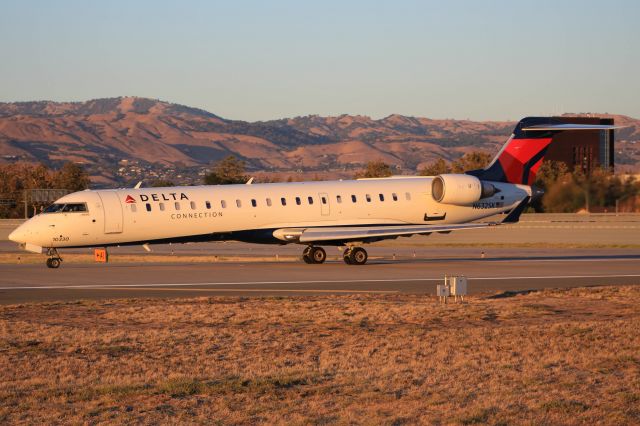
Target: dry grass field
column 547, row 357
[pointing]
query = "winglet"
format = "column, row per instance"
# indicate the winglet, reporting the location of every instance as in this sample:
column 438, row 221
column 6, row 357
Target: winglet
column 514, row 215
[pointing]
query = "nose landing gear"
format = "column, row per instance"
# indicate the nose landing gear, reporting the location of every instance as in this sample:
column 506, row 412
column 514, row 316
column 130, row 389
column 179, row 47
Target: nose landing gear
column 54, row 261
column 313, row 254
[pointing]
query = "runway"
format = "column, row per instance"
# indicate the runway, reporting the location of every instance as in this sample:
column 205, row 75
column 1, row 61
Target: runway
column 500, row 271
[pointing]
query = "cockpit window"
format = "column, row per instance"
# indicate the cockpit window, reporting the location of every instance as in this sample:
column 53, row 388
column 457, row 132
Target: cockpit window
column 66, row 208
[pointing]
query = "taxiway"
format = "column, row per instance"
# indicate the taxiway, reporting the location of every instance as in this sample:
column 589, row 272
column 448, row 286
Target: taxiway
column 501, row 270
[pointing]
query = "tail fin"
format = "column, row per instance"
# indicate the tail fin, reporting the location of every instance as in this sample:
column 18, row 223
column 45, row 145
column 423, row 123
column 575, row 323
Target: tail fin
column 521, row 156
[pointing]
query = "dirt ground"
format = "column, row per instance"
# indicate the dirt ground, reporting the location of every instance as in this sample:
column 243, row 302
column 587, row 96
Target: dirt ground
column 549, row 357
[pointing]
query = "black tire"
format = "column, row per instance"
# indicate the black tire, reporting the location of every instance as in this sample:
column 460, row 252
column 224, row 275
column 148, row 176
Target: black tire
column 54, row 263
column 358, row 256
column 346, row 259
column 49, row 263
column 318, row 255
column 306, row 255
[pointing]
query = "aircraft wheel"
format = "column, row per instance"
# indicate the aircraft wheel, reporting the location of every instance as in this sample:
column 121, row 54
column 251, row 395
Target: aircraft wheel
column 358, row 256
column 346, row 257
column 317, row 255
column 53, row 263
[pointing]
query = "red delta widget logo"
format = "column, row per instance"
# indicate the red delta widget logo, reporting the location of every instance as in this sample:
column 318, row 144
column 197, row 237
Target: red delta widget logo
column 129, row 199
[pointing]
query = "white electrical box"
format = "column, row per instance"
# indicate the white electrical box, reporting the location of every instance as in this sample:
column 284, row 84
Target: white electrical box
column 442, row 290
column 458, row 286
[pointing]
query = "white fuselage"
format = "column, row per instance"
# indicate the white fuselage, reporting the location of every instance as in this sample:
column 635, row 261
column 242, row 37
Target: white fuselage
column 200, row 213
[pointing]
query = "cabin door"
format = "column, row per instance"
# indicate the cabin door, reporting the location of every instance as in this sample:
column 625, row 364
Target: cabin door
column 324, row 203
column 112, row 212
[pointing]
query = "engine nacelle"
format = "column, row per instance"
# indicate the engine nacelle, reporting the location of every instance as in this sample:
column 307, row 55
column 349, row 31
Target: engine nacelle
column 460, row 189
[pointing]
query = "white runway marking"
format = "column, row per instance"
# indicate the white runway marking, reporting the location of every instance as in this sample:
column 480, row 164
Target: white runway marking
column 248, row 283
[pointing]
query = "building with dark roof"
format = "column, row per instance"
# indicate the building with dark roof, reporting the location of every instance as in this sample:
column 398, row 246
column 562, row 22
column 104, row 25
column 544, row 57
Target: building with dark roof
column 584, row 150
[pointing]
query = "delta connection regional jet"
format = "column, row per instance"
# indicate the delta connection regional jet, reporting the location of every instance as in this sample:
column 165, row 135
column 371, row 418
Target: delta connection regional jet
column 338, row 213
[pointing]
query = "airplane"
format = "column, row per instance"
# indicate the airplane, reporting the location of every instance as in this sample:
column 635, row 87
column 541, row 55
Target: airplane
column 343, row 213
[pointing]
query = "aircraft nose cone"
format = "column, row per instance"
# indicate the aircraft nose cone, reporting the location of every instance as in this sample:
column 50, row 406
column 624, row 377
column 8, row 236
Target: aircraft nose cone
column 18, row 235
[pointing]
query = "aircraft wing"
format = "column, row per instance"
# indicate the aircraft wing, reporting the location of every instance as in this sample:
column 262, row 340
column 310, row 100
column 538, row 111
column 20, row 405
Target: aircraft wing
column 374, row 233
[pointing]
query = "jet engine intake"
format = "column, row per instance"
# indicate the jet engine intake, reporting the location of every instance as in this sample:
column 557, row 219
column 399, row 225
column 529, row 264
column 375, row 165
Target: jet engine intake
column 460, row 189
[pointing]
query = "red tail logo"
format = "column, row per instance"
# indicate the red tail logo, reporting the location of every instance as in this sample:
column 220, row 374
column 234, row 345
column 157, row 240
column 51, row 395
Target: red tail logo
column 522, row 158
column 129, row 199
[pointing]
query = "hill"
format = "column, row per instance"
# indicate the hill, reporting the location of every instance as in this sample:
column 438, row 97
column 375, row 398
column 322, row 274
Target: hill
column 101, row 133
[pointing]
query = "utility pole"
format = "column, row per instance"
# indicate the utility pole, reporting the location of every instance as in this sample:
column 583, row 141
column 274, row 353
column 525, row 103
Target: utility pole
column 26, row 207
column 586, row 199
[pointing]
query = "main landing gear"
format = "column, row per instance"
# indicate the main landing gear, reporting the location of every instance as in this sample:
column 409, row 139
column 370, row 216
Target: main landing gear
column 313, row 254
column 54, row 261
column 355, row 256
column 351, row 256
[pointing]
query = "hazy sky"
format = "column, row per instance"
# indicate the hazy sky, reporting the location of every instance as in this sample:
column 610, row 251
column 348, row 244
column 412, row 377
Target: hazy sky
column 257, row 60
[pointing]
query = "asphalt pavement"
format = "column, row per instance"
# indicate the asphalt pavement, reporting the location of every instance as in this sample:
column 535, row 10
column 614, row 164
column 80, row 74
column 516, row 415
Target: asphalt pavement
column 498, row 270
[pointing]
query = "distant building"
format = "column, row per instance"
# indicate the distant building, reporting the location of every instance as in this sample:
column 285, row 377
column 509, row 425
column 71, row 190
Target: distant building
column 585, row 150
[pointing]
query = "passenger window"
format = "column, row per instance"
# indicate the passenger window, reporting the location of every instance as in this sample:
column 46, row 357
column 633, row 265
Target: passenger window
column 310, row 200
column 208, row 204
column 161, row 205
column 353, row 198
column 177, row 205
column 223, row 203
column 283, row 201
column 381, row 197
column 148, row 207
column 193, row 205
column 339, row 198
column 254, row 203
column 238, row 203
column 368, row 197
column 269, row 202
column 133, row 208
column 298, row 202
column 407, row 196
column 394, row 196
column 324, row 200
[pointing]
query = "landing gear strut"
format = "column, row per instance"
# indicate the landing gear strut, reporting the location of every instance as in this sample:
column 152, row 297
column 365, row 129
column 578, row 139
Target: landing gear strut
column 54, row 261
column 355, row 256
column 313, row 254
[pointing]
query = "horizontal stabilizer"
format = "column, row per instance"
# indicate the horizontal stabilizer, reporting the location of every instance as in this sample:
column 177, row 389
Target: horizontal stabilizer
column 565, row 127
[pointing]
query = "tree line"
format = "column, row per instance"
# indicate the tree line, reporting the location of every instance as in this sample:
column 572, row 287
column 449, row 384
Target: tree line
column 17, row 179
column 600, row 190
